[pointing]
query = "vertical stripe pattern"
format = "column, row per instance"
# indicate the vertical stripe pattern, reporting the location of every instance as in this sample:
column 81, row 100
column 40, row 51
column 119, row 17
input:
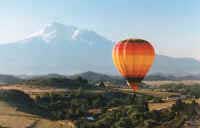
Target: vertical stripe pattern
column 133, row 58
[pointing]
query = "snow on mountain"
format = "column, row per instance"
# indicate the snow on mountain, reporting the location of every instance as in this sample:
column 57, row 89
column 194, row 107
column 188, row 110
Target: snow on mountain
column 55, row 32
column 58, row 48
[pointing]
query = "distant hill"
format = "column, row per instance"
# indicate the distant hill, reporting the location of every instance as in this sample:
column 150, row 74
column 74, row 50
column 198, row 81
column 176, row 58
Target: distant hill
column 83, row 79
column 57, row 82
column 9, row 79
column 94, row 77
column 62, row 49
column 175, row 66
column 52, row 75
column 171, row 77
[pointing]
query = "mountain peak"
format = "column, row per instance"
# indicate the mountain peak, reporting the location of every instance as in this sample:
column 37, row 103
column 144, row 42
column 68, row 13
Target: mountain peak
column 72, row 50
column 55, row 24
column 53, row 32
column 57, row 32
column 58, row 27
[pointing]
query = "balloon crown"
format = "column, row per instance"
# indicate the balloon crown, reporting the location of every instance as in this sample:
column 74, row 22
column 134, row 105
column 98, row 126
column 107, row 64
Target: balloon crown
column 134, row 40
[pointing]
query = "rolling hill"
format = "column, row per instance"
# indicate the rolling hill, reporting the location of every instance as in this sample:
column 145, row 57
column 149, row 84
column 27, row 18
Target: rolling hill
column 96, row 77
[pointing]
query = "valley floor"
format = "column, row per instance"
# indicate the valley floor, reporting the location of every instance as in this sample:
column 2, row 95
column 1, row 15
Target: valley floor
column 10, row 117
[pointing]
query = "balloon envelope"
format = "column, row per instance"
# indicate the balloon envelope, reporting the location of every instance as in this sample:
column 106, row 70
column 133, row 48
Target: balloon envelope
column 133, row 58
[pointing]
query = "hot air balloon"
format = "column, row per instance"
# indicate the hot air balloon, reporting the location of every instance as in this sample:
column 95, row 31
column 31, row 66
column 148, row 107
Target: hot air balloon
column 133, row 58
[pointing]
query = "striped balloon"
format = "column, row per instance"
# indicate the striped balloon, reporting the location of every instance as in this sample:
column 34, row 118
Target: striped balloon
column 133, row 58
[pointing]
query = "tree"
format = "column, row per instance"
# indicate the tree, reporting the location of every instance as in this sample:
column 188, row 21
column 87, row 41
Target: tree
column 81, row 80
column 178, row 106
column 101, row 84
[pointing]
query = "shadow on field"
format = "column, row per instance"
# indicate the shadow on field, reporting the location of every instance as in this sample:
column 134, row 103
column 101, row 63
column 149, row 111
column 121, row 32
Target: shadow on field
column 22, row 102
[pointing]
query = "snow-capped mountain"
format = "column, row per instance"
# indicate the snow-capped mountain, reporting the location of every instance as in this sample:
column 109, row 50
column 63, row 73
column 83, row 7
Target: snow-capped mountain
column 58, row 48
column 53, row 32
column 56, row 32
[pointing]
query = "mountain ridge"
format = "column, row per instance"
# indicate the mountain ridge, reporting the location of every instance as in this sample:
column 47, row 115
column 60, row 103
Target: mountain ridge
column 58, row 48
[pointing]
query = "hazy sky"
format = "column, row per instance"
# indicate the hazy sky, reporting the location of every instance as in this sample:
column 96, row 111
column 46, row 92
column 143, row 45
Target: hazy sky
column 172, row 25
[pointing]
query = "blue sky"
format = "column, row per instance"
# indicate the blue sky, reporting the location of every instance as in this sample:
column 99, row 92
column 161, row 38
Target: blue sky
column 173, row 26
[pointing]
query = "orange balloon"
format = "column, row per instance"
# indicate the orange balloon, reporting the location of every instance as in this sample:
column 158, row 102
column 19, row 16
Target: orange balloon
column 133, row 58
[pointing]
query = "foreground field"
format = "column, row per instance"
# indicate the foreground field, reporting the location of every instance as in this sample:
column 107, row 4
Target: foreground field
column 11, row 118
column 33, row 91
column 94, row 107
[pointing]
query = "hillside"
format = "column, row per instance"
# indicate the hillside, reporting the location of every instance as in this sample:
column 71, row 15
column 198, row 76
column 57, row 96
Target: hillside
column 175, row 66
column 87, row 77
column 96, row 77
column 57, row 82
column 13, row 115
column 9, row 79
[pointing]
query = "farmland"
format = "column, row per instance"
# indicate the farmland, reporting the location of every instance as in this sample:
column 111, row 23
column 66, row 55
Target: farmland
column 45, row 106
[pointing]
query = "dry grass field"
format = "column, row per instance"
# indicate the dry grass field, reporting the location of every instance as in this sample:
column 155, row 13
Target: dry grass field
column 186, row 82
column 159, row 106
column 35, row 90
column 32, row 90
column 156, row 93
column 150, row 92
column 11, row 118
